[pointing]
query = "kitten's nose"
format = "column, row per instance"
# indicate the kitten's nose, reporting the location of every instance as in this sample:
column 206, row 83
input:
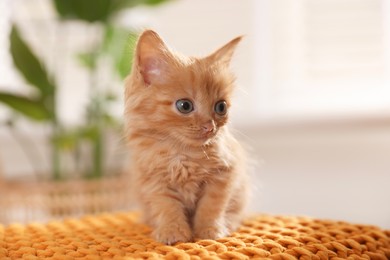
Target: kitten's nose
column 208, row 127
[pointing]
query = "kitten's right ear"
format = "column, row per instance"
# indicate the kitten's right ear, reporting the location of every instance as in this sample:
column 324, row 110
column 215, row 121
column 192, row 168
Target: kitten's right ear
column 224, row 54
column 153, row 58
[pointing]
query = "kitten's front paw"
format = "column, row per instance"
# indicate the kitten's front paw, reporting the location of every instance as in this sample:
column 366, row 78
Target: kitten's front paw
column 211, row 232
column 171, row 233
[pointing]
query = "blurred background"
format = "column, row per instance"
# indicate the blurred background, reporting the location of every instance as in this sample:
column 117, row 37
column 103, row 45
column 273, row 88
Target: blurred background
column 312, row 100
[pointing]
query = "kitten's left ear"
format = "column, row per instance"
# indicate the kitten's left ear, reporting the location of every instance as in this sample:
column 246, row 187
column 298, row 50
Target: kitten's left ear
column 224, row 54
column 153, row 58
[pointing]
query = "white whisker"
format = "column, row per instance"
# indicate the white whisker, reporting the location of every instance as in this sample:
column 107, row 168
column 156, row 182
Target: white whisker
column 238, row 132
column 205, row 153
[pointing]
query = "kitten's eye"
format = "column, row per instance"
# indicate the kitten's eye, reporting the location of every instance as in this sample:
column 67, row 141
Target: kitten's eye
column 221, row 108
column 184, row 106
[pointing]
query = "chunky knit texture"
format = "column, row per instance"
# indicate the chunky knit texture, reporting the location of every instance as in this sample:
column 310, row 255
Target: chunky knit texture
column 119, row 236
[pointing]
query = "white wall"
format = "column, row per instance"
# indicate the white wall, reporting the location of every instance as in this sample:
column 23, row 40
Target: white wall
column 326, row 171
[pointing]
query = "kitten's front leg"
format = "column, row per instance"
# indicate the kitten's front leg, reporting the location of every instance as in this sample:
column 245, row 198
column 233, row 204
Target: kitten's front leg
column 167, row 215
column 209, row 220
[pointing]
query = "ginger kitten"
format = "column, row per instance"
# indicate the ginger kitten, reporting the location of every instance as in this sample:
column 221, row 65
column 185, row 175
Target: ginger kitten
column 189, row 171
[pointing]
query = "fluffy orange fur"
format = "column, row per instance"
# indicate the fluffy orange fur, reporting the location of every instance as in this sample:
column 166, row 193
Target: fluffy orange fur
column 189, row 171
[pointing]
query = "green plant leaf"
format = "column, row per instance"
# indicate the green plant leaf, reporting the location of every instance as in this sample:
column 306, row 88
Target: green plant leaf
column 87, row 10
column 153, row 2
column 66, row 141
column 125, row 61
column 97, row 10
column 89, row 132
column 109, row 96
column 87, row 59
column 119, row 43
column 34, row 109
column 110, row 121
column 29, row 65
column 118, row 5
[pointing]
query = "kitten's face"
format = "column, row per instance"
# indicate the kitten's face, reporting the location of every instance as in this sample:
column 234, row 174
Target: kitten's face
column 193, row 106
column 182, row 99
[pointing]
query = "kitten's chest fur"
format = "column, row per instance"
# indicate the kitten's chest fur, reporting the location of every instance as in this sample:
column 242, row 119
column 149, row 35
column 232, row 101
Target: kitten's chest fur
column 184, row 172
column 188, row 173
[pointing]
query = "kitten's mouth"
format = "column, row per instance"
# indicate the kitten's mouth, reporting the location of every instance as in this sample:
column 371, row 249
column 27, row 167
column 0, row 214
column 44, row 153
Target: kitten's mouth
column 206, row 137
column 199, row 139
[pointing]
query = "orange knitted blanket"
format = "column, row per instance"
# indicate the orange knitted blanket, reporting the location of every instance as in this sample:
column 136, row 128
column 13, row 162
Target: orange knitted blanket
column 119, row 236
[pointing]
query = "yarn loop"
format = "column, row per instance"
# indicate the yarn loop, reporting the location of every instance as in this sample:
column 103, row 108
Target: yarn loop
column 120, row 236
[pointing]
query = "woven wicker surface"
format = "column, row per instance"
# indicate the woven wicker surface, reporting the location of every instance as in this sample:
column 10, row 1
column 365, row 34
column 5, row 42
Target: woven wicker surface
column 29, row 201
column 266, row 237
